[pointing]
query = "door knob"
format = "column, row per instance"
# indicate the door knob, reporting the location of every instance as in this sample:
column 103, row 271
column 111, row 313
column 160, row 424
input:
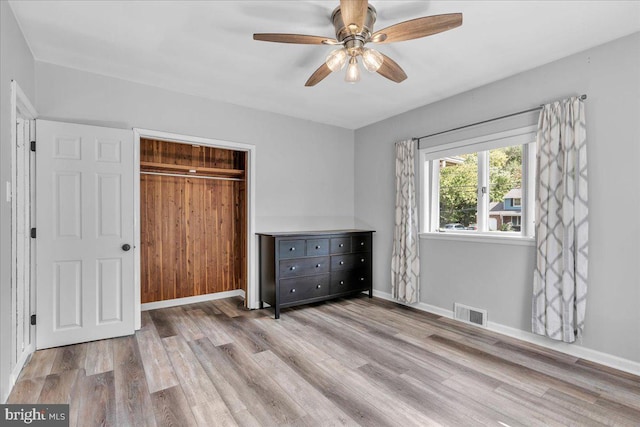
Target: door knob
column 126, row 247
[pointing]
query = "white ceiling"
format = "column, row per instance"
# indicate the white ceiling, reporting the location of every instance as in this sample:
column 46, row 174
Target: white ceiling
column 205, row 48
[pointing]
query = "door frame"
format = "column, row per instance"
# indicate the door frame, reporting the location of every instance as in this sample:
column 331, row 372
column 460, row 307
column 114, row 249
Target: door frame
column 21, row 108
column 252, row 293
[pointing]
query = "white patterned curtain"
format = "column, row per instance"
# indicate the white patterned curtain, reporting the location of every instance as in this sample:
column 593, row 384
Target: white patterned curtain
column 405, row 263
column 562, row 226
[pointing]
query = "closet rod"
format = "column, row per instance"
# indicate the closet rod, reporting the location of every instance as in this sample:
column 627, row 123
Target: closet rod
column 190, row 176
column 530, row 110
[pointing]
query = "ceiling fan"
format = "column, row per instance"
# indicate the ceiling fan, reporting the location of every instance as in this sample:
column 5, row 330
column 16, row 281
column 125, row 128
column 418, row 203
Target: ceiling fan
column 353, row 22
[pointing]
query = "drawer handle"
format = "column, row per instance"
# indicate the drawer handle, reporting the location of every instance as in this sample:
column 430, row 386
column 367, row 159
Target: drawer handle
column 341, row 262
column 317, row 265
column 362, row 279
column 362, row 260
column 318, row 247
column 293, row 268
column 342, row 282
column 341, row 245
column 292, row 249
column 293, row 291
column 361, row 243
column 318, row 286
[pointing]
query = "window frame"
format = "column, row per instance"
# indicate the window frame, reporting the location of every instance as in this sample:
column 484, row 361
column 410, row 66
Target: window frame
column 429, row 184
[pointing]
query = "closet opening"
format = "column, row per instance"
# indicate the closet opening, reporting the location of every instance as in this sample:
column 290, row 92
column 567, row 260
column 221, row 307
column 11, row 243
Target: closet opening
column 194, row 221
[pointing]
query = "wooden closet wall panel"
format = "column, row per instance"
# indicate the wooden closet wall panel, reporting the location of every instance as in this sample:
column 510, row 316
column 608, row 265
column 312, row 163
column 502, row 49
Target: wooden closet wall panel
column 241, row 226
column 193, row 230
column 192, row 237
column 189, row 155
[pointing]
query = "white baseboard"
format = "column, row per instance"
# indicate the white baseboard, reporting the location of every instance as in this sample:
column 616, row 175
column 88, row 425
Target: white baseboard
column 575, row 350
column 191, row 300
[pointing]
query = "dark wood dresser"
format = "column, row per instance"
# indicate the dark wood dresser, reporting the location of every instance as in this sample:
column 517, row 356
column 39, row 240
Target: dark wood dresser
column 304, row 267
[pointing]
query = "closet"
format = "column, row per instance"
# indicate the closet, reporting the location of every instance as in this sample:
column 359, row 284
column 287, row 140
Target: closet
column 193, row 220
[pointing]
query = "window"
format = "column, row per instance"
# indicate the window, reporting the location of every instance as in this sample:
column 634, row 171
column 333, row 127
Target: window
column 482, row 186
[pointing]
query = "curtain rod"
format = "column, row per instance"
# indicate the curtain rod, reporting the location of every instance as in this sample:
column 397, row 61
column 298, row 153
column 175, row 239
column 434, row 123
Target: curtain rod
column 530, row 110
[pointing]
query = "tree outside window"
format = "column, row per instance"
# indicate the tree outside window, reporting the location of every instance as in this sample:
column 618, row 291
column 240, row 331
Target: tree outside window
column 459, row 187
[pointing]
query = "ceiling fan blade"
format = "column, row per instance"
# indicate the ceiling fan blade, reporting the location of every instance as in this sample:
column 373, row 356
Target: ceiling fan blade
column 294, row 38
column 318, row 75
column 354, row 13
column 419, row 27
column 391, row 70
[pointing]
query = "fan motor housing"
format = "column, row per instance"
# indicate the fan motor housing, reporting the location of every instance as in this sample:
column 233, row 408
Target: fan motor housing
column 343, row 34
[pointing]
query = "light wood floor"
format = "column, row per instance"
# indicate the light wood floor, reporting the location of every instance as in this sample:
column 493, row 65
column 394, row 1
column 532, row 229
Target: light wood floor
column 354, row 361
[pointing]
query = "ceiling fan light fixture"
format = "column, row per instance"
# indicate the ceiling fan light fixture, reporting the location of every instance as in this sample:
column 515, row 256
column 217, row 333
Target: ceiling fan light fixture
column 372, row 60
column 353, row 22
column 353, row 72
column 337, row 59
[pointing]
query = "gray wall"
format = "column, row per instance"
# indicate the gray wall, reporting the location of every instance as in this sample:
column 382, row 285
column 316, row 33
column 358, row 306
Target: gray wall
column 304, row 169
column 16, row 63
column 498, row 277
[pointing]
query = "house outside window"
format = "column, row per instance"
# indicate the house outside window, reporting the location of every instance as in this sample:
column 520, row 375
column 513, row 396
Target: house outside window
column 487, row 189
column 507, row 214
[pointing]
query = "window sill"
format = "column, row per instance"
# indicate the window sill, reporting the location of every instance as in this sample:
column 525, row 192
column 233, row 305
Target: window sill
column 480, row 238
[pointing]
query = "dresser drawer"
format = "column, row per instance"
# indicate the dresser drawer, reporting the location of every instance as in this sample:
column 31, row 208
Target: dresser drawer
column 361, row 243
column 317, row 247
column 303, row 288
column 291, row 249
column 349, row 281
column 303, row 266
column 350, row 261
column 340, row 245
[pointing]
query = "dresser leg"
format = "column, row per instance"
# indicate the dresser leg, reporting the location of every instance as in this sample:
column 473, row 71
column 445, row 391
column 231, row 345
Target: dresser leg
column 261, row 305
column 277, row 312
column 371, row 293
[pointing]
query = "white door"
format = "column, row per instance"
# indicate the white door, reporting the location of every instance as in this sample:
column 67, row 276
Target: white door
column 84, row 254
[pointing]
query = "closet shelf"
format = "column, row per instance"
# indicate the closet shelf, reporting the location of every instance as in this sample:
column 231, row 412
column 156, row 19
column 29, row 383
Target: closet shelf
column 200, row 171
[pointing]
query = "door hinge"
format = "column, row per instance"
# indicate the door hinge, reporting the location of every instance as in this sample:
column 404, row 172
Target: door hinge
column 33, row 319
column 33, row 233
column 33, row 146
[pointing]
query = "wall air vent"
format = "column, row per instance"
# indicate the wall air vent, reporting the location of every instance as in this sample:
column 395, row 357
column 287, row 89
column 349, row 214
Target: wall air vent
column 470, row 314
